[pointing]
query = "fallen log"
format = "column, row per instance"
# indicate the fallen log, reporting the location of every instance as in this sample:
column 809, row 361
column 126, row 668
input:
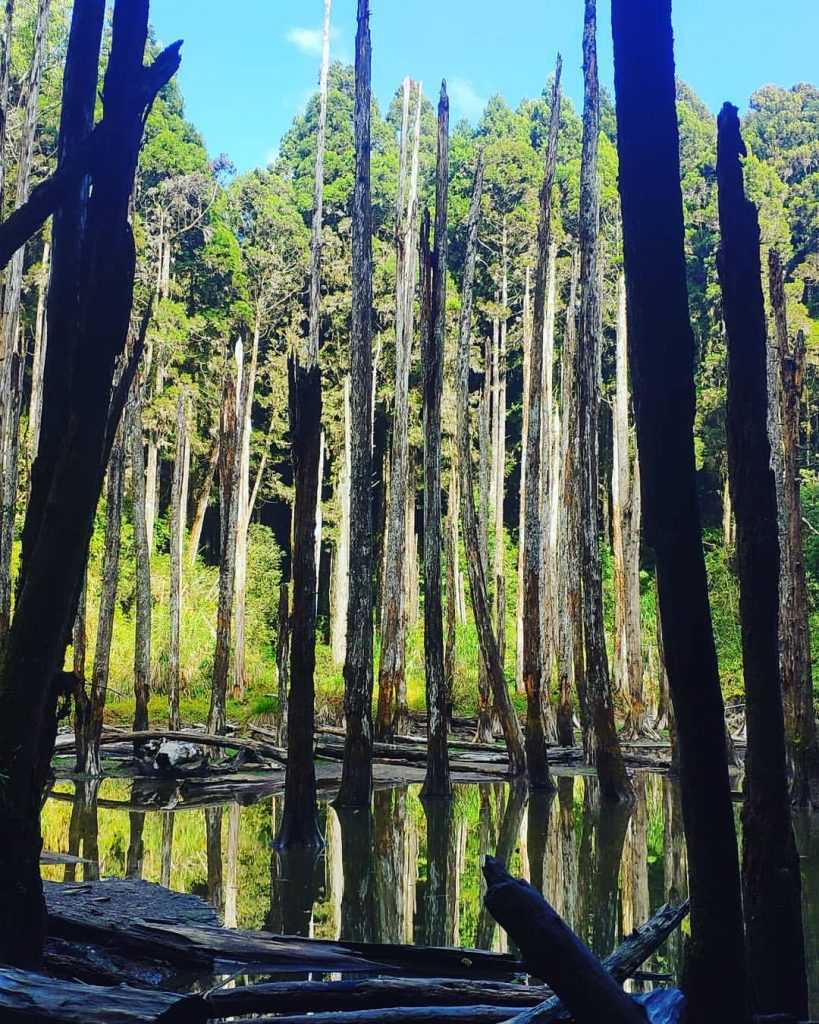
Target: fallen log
column 68, row 745
column 552, row 951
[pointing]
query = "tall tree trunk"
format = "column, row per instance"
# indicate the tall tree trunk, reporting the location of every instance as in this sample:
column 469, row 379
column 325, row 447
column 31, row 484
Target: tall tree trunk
column 246, row 501
column 475, row 561
column 299, row 826
column 500, row 466
column 142, row 569
column 12, row 349
column 152, row 458
column 548, row 489
column 202, row 502
column 485, row 731
column 536, row 757
column 772, row 887
column 5, row 77
column 433, row 307
column 794, row 629
column 393, row 620
column 283, row 657
column 356, row 776
column 604, row 748
column 79, row 642
column 451, row 559
column 625, row 514
column 179, row 515
column 526, row 343
column 661, row 346
column 107, row 609
column 35, row 408
column 341, row 586
column 229, row 463
column 727, row 516
column 570, row 658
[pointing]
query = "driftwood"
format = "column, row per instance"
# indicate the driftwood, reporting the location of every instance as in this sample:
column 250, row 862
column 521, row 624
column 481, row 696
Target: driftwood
column 66, row 745
column 551, row 950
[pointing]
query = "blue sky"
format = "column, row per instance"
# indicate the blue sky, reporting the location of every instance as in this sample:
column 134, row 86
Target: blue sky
column 249, row 65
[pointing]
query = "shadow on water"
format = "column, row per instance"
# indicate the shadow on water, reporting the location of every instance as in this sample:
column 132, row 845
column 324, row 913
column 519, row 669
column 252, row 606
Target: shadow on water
column 409, row 870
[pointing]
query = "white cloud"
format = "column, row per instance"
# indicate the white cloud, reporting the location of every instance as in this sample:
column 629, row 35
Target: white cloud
column 465, row 100
column 308, row 41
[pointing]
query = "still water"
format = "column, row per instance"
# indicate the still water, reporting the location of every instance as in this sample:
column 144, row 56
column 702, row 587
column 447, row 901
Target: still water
column 410, row 872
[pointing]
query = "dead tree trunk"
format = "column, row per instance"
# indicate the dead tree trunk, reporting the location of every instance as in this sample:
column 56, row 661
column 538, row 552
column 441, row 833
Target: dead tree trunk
column 625, row 509
column 356, row 777
column 475, row 562
column 548, row 488
column 299, row 826
column 794, row 631
column 500, row 458
column 662, row 357
column 107, row 609
column 179, row 514
column 341, row 587
column 770, row 863
column 485, row 730
column 451, row 559
column 283, row 657
column 433, row 306
column 526, row 343
column 604, row 748
column 536, row 757
column 202, row 502
column 142, row 570
column 571, row 660
column 246, row 499
column 5, row 77
column 35, row 408
column 393, row 617
column 229, row 456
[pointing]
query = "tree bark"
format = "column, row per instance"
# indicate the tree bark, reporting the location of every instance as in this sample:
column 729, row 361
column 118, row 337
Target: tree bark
column 229, row 463
column 341, row 587
column 485, row 730
column 356, row 776
column 179, row 515
column 500, row 457
column 526, row 344
column 475, row 561
column 5, row 76
column 35, row 408
column 393, row 618
column 283, row 657
column 548, row 488
column 299, row 826
column 142, row 570
column 604, row 747
column 770, row 864
column 794, row 629
column 107, row 609
column 662, row 355
column 433, row 307
column 536, row 757
column 451, row 558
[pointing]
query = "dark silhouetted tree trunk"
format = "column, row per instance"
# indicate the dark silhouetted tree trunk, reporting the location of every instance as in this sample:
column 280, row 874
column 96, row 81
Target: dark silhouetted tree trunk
column 356, row 778
column 536, row 757
column 179, row 515
column 393, row 618
column 794, row 629
column 299, row 826
column 476, row 562
column 604, row 746
column 433, row 306
column 142, row 569
column 661, row 345
column 770, row 864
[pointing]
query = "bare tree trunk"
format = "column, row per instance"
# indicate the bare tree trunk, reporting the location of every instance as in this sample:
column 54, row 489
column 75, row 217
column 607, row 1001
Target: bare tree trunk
column 794, row 630
column 12, row 350
column 393, row 620
column 625, row 514
column 433, row 306
column 142, row 569
column 152, row 459
column 202, row 502
column 451, row 558
column 35, row 408
column 283, row 657
column 536, row 757
column 771, row 881
column 476, row 563
column 728, row 537
column 661, row 345
column 108, row 601
column 319, row 523
column 5, row 75
column 485, row 731
column 604, row 749
column 527, row 356
column 179, row 515
column 548, row 593
column 246, row 501
column 401, row 723
column 341, row 587
column 229, row 462
column 299, row 826
column 571, row 655
column 500, row 459
column 356, row 777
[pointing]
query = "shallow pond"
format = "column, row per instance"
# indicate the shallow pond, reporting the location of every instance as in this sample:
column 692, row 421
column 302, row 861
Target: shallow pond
column 410, row 872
